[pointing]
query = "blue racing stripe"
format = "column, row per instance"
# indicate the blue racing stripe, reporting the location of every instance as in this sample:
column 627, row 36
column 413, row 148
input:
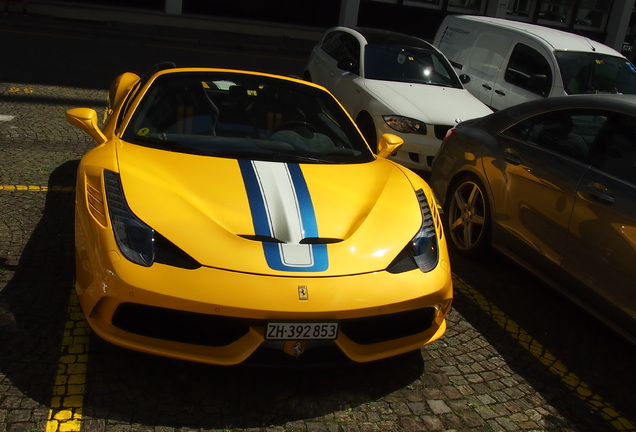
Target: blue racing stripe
column 255, row 197
column 263, row 223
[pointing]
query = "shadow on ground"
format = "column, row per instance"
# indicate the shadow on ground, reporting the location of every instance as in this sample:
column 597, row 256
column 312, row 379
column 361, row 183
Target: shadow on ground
column 577, row 365
column 131, row 387
column 34, row 303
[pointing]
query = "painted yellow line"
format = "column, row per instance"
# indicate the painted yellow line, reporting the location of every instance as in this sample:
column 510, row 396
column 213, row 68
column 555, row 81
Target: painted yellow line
column 36, row 188
column 65, row 414
column 579, row 388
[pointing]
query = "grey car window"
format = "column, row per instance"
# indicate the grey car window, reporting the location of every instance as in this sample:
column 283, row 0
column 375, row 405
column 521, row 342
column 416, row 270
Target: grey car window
column 570, row 133
column 615, row 152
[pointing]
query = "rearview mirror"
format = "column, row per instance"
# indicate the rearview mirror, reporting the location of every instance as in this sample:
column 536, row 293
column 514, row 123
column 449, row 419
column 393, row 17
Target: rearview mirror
column 86, row 120
column 389, row 144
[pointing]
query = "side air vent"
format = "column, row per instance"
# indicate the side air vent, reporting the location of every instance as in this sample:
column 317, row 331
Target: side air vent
column 95, row 199
column 260, row 238
column 320, row 240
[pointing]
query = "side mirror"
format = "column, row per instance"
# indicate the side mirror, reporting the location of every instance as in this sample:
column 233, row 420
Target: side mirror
column 86, row 120
column 465, row 79
column 389, row 144
column 347, row 64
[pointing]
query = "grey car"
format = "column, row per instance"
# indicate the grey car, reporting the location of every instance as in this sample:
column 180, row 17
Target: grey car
column 552, row 185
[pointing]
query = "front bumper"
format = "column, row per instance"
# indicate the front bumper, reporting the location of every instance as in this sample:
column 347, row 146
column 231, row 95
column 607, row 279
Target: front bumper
column 218, row 317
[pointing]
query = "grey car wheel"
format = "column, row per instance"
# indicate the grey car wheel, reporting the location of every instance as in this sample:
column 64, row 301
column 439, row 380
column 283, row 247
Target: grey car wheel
column 468, row 216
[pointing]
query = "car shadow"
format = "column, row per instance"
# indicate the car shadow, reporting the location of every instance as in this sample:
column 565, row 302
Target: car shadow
column 33, row 304
column 572, row 360
column 146, row 389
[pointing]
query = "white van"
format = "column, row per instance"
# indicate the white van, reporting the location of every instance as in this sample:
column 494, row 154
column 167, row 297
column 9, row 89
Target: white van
column 504, row 62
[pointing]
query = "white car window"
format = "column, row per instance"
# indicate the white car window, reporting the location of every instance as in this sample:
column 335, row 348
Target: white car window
column 407, row 64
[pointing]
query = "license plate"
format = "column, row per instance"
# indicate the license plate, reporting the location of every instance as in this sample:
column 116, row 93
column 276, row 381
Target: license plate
column 301, row 330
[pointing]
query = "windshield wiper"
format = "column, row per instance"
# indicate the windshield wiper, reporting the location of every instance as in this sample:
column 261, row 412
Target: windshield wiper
column 162, row 143
column 310, row 159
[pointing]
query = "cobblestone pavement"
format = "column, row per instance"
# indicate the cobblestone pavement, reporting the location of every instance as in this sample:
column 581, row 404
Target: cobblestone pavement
column 516, row 356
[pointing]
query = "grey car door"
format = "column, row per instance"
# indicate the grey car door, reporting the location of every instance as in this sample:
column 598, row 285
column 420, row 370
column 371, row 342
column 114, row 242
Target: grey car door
column 601, row 251
column 542, row 161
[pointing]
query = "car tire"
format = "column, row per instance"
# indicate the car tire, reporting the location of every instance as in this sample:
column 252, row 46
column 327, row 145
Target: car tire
column 367, row 127
column 467, row 216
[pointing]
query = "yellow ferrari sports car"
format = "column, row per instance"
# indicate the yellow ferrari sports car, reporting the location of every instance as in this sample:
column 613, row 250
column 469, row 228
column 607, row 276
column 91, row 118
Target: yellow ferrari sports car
column 229, row 216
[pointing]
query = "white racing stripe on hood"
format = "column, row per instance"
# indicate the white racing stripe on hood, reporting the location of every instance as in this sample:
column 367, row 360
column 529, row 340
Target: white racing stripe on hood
column 282, row 209
column 283, row 212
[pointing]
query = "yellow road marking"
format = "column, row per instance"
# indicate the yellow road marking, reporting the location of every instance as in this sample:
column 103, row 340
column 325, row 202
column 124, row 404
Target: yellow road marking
column 65, row 413
column 20, row 90
column 578, row 387
column 36, row 188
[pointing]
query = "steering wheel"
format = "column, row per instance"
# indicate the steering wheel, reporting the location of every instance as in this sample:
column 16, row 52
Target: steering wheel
column 303, row 128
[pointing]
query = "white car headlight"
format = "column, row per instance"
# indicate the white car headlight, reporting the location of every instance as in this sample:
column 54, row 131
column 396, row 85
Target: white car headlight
column 134, row 238
column 405, row 124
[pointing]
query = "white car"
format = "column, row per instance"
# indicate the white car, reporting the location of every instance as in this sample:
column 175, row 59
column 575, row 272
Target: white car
column 393, row 83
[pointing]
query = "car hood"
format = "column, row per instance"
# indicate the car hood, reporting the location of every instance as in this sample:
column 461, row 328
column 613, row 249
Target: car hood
column 273, row 217
column 431, row 104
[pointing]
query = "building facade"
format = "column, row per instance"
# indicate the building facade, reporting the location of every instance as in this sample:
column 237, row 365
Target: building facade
column 608, row 21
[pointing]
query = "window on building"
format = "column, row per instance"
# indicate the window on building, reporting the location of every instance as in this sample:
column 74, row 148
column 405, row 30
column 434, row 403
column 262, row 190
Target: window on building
column 520, row 10
column 592, row 13
column 556, row 12
column 433, row 4
column 467, row 5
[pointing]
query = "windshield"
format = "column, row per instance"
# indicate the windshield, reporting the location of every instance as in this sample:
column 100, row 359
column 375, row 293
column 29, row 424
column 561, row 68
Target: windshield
column 408, row 64
column 242, row 116
column 596, row 73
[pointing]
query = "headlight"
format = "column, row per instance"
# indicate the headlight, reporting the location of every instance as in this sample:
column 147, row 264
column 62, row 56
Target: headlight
column 423, row 250
column 405, row 124
column 424, row 244
column 134, row 238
